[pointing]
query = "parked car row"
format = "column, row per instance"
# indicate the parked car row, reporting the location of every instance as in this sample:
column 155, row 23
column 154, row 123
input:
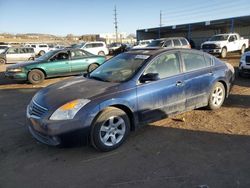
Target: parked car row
column 53, row 64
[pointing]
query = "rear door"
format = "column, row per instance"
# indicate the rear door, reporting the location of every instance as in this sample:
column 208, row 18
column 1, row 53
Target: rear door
column 58, row 65
column 198, row 77
column 159, row 98
column 79, row 61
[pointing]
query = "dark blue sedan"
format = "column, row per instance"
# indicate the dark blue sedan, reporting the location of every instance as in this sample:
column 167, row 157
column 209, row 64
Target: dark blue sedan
column 131, row 89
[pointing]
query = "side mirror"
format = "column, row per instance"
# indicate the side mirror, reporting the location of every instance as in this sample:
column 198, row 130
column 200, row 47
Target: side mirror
column 149, row 77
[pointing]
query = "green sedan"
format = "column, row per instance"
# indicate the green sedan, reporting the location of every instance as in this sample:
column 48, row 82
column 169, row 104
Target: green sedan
column 53, row 64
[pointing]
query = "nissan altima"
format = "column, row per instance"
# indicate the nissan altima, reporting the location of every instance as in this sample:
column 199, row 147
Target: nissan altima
column 127, row 91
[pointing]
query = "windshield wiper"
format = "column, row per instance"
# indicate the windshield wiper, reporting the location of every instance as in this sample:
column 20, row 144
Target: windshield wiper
column 97, row 78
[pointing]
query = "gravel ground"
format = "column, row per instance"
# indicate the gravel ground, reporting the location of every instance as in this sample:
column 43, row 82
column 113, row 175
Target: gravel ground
column 193, row 149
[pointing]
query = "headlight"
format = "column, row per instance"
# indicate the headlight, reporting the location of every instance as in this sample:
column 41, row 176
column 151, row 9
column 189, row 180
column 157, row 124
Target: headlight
column 69, row 110
column 218, row 46
column 15, row 70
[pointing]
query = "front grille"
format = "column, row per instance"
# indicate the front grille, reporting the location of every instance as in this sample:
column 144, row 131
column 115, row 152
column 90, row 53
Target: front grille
column 36, row 109
column 209, row 46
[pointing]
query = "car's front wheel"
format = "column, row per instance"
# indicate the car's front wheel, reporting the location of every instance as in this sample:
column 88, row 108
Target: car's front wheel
column 110, row 129
column 101, row 53
column 36, row 76
column 41, row 52
column 217, row 96
column 223, row 53
column 92, row 67
column 243, row 48
column 2, row 61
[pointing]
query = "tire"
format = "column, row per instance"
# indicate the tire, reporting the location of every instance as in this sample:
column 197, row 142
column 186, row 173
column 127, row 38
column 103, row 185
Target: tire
column 243, row 48
column 41, row 52
column 2, row 61
column 36, row 76
column 31, row 59
column 223, row 53
column 217, row 96
column 92, row 67
column 110, row 129
column 101, row 53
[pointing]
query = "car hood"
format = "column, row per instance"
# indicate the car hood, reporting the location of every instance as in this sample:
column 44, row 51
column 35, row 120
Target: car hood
column 23, row 64
column 65, row 91
column 214, row 42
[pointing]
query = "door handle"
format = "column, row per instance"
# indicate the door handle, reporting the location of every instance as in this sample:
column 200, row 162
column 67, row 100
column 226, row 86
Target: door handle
column 179, row 83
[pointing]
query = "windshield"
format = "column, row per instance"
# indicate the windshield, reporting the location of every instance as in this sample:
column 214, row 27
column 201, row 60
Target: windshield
column 78, row 45
column 156, row 43
column 4, row 51
column 47, row 55
column 120, row 68
column 219, row 38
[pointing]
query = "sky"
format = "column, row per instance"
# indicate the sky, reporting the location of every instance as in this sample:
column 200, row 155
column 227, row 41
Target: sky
column 78, row 17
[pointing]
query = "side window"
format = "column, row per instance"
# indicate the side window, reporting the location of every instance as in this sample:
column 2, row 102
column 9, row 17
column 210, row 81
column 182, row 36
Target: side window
column 176, row 42
column 184, row 42
column 194, row 61
column 231, row 38
column 89, row 46
column 31, row 50
column 77, row 54
column 43, row 46
column 209, row 60
column 12, row 51
column 168, row 43
column 166, row 65
column 23, row 50
column 60, row 56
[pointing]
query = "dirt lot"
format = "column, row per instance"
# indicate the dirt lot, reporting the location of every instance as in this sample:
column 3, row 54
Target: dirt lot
column 194, row 149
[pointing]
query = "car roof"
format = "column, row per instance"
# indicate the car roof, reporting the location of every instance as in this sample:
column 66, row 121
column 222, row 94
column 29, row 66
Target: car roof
column 158, row 50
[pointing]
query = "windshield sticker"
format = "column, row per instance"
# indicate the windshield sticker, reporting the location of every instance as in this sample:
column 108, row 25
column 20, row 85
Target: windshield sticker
column 142, row 57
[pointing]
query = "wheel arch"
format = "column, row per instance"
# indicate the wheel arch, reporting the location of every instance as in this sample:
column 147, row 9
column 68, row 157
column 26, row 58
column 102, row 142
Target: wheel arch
column 35, row 68
column 225, row 86
column 129, row 112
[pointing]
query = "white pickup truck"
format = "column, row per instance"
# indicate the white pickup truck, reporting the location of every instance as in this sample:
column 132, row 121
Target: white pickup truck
column 223, row 43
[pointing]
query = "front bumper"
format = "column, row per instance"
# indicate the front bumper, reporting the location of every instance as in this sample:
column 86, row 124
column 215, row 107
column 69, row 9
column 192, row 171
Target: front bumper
column 212, row 51
column 16, row 75
column 245, row 69
column 51, row 132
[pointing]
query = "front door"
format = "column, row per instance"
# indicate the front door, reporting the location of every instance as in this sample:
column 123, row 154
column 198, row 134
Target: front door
column 58, row 65
column 158, row 99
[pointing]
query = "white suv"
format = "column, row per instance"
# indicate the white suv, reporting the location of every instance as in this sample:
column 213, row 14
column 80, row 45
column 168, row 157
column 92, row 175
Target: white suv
column 244, row 67
column 97, row 48
column 40, row 49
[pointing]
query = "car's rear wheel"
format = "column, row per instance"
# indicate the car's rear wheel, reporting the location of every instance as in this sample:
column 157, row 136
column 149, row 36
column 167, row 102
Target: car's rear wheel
column 2, row 61
column 36, row 76
column 110, row 129
column 41, row 52
column 217, row 96
column 92, row 67
column 223, row 53
column 101, row 53
column 243, row 48
column 31, row 59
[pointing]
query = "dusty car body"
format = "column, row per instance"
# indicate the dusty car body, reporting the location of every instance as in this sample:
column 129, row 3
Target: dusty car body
column 127, row 91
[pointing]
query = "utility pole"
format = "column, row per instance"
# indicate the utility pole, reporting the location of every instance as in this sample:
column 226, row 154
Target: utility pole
column 160, row 24
column 116, row 25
